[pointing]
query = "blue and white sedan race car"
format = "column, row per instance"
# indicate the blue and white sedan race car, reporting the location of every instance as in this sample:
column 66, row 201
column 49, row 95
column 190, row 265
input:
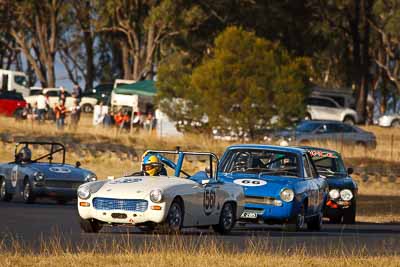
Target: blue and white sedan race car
column 182, row 196
column 39, row 175
column 281, row 185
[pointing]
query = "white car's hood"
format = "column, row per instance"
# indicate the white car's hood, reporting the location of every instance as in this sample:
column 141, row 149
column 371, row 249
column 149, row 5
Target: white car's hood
column 139, row 186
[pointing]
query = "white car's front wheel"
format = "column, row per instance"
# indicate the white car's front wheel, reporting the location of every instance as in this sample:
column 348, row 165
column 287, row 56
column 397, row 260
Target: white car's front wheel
column 175, row 217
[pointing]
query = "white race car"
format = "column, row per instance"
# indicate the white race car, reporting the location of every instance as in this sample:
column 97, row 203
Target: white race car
column 169, row 201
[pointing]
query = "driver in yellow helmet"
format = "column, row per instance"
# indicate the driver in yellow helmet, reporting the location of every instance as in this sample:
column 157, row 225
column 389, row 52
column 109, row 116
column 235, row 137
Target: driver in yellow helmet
column 152, row 166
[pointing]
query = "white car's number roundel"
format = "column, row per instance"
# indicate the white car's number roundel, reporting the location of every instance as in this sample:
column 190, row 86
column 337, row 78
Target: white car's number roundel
column 209, row 200
column 250, row 182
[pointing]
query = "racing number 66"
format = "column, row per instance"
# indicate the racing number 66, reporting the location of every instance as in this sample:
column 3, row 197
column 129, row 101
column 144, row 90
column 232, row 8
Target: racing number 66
column 209, row 200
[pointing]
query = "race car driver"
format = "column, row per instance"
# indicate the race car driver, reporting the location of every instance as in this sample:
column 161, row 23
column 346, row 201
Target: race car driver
column 151, row 166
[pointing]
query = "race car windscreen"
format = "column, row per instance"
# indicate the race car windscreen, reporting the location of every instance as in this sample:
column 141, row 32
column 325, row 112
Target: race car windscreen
column 261, row 162
column 328, row 163
column 42, row 153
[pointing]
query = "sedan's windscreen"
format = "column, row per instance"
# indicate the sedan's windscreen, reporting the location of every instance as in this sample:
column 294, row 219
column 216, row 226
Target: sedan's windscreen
column 328, row 164
column 307, row 127
column 261, row 162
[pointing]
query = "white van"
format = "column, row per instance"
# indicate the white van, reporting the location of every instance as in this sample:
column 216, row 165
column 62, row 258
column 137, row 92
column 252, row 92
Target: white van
column 11, row 80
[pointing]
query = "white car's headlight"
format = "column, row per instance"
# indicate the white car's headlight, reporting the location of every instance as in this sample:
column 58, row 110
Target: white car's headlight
column 156, row 195
column 287, row 195
column 334, row 194
column 346, row 194
column 91, row 177
column 38, row 176
column 84, row 192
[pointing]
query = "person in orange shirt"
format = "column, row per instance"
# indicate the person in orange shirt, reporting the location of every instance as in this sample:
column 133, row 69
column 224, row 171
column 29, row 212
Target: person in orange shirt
column 60, row 110
column 118, row 118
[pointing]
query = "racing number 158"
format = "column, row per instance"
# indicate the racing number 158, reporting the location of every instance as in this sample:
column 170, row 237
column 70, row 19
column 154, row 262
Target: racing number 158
column 209, row 200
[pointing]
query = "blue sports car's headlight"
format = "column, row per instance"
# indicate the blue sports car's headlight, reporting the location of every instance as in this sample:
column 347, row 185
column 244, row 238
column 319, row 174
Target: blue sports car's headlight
column 38, row 176
column 91, row 177
column 287, row 195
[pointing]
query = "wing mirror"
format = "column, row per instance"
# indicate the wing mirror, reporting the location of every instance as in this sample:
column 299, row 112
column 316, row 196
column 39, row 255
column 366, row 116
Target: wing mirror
column 350, row 171
column 78, row 164
column 204, row 182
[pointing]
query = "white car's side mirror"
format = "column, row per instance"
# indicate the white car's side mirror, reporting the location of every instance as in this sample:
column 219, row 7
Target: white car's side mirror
column 110, row 177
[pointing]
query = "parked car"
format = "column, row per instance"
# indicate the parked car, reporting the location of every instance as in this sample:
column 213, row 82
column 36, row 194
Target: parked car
column 102, row 92
column 325, row 108
column 392, row 120
column 341, row 205
column 11, row 103
column 40, row 176
column 307, row 131
column 281, row 185
column 184, row 198
column 87, row 103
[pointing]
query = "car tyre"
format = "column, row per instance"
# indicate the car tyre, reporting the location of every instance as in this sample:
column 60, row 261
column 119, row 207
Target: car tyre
column 174, row 219
column 315, row 224
column 349, row 120
column 4, row 195
column 298, row 222
column 27, row 193
column 349, row 215
column 226, row 220
column 90, row 226
column 87, row 108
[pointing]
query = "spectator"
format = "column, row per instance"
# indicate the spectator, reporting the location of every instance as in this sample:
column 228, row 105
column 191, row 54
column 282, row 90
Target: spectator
column 60, row 112
column 77, row 92
column 108, row 119
column 149, row 121
column 136, row 121
column 41, row 107
column 63, row 95
column 75, row 111
column 118, row 118
column 98, row 113
column 34, row 112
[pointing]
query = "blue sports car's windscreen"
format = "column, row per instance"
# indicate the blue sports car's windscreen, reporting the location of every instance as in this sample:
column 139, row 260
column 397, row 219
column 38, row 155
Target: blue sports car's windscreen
column 261, row 162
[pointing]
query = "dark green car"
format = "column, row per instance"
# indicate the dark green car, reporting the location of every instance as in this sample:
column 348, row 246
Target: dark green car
column 341, row 204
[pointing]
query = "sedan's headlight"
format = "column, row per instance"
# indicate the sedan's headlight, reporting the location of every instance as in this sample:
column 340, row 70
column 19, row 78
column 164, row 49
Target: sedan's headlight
column 38, row 176
column 156, row 195
column 91, row 177
column 334, row 194
column 287, row 195
column 346, row 194
column 84, row 192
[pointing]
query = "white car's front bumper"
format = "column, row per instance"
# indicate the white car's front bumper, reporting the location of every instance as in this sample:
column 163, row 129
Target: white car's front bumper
column 132, row 217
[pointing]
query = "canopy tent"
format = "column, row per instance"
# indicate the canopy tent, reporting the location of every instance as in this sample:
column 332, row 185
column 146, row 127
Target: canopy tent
column 143, row 88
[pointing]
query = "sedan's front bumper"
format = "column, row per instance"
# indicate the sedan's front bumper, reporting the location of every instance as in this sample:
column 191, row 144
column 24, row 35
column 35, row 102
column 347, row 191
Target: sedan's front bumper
column 270, row 214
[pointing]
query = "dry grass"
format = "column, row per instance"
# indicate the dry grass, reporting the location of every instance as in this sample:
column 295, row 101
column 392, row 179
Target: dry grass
column 202, row 251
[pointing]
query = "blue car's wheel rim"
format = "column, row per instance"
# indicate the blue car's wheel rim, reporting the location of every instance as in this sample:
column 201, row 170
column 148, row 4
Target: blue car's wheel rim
column 27, row 191
column 227, row 216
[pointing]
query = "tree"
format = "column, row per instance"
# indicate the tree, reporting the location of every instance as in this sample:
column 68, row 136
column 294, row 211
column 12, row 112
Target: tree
column 142, row 26
column 36, row 32
column 242, row 85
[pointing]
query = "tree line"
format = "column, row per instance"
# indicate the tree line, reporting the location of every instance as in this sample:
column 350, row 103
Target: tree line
column 347, row 43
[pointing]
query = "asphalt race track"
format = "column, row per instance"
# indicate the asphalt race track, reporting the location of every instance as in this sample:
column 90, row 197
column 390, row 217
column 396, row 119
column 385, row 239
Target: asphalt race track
column 31, row 224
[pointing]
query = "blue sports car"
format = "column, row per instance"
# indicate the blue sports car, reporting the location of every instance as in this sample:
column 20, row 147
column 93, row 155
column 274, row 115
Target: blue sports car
column 342, row 200
column 281, row 185
column 43, row 174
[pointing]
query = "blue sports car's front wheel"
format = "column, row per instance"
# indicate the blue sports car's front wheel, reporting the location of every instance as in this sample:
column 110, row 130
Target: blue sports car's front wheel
column 27, row 193
column 4, row 195
column 297, row 223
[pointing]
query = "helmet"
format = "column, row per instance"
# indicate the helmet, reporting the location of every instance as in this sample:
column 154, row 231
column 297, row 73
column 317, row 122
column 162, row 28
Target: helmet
column 25, row 154
column 151, row 165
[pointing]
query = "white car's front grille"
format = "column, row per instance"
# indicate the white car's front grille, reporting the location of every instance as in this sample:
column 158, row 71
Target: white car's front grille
column 137, row 205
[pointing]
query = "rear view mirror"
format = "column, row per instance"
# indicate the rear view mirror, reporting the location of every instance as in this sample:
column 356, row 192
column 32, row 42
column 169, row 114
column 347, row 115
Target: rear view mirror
column 78, row 164
column 350, row 171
